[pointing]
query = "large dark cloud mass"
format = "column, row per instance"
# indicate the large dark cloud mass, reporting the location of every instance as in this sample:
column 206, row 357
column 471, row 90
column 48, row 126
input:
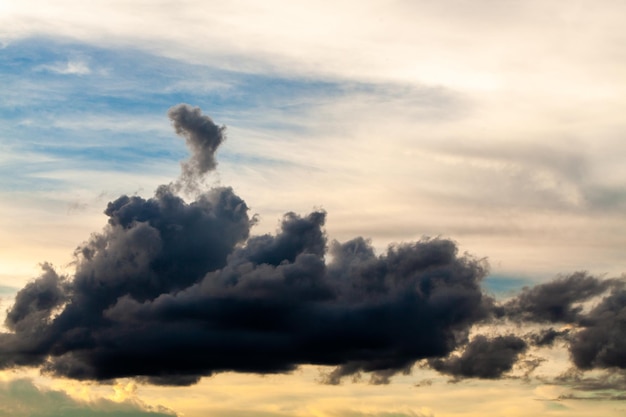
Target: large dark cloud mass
column 172, row 290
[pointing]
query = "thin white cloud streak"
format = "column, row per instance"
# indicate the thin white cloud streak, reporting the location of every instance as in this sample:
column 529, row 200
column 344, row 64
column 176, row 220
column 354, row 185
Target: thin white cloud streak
column 477, row 46
column 68, row 68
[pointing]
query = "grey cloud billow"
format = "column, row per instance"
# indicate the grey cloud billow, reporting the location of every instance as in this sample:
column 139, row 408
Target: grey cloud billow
column 483, row 358
column 558, row 300
column 170, row 291
column 596, row 338
column 547, row 337
column 602, row 342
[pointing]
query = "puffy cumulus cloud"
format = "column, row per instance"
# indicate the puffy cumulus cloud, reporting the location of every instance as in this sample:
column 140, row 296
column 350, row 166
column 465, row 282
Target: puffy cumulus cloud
column 21, row 398
column 172, row 290
column 268, row 309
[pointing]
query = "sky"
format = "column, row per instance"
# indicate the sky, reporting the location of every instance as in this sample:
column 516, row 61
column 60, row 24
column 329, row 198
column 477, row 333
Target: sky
column 312, row 209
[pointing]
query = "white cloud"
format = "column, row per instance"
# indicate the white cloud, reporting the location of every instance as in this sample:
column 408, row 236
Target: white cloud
column 479, row 46
column 70, row 67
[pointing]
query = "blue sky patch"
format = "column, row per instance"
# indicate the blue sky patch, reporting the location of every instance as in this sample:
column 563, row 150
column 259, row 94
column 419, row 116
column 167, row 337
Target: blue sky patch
column 505, row 286
column 95, row 107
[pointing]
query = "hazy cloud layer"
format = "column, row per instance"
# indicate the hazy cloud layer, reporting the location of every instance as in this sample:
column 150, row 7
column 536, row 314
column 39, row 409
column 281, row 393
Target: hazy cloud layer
column 171, row 291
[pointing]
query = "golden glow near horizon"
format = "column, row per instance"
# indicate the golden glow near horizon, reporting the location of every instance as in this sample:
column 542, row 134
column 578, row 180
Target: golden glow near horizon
column 423, row 394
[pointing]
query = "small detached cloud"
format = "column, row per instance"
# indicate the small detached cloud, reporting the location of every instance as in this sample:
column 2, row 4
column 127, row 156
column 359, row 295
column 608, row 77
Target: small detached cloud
column 21, row 398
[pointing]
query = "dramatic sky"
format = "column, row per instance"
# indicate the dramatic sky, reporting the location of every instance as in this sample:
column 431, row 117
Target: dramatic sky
column 312, row 208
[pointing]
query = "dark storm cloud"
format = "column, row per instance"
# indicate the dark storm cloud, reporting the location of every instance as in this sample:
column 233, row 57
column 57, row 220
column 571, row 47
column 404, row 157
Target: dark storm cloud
column 170, row 291
column 150, row 247
column 142, row 311
column 483, row 358
column 265, row 318
column 558, row 300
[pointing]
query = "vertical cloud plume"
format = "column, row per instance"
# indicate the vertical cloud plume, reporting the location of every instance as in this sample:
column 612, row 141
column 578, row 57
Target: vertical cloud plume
column 202, row 137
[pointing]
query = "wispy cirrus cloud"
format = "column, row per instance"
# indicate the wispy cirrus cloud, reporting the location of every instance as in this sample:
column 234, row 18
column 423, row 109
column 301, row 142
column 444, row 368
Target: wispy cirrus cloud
column 71, row 67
